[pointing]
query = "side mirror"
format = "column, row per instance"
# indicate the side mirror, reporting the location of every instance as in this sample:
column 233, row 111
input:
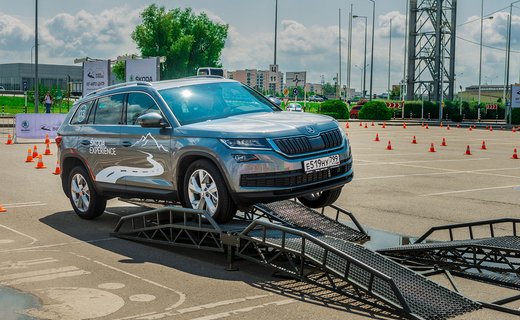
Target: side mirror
column 151, row 120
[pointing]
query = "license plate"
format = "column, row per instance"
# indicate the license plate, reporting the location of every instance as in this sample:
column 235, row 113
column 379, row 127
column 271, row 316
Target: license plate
column 321, row 163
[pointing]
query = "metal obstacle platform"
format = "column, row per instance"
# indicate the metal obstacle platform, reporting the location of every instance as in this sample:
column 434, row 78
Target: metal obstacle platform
column 486, row 251
column 305, row 244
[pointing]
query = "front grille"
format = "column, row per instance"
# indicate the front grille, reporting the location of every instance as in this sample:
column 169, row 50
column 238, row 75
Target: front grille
column 292, row 178
column 299, row 145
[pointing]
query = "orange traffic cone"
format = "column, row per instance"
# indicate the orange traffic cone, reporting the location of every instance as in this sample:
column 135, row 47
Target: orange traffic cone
column 458, row 125
column 40, row 164
column 9, row 139
column 422, row 124
column 468, row 151
column 470, row 128
column 448, row 127
column 35, row 152
column 47, row 150
column 58, row 169
column 2, row 209
column 414, row 141
column 404, row 125
column 515, row 155
column 389, row 146
column 490, row 128
column 29, row 156
column 443, row 143
column 372, row 123
column 513, row 130
column 366, row 126
column 432, row 147
column 384, row 125
column 47, row 140
column 427, row 126
column 483, row 147
column 347, row 126
column 440, row 125
column 487, row 127
column 377, row 137
column 360, row 123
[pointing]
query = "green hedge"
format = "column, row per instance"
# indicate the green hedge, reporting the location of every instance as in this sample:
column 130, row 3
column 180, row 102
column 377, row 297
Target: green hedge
column 335, row 108
column 515, row 116
column 375, row 110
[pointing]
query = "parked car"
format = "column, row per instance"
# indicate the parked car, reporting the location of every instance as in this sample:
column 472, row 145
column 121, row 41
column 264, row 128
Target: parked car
column 208, row 143
column 274, row 100
column 294, row 107
column 354, row 111
column 316, row 98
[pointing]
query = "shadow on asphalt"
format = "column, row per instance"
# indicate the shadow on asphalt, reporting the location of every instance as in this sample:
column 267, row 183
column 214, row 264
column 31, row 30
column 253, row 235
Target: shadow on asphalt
column 200, row 262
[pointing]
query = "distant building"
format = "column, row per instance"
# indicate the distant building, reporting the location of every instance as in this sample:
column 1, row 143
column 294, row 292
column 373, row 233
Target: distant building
column 13, row 75
column 262, row 80
column 317, row 88
column 488, row 93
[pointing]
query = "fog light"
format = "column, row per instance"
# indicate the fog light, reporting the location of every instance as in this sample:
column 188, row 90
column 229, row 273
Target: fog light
column 245, row 157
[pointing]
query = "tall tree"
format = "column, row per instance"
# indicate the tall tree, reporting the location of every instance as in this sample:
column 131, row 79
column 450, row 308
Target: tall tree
column 188, row 41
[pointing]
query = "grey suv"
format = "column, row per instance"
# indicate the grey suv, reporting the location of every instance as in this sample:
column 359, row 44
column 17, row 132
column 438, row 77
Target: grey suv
column 206, row 142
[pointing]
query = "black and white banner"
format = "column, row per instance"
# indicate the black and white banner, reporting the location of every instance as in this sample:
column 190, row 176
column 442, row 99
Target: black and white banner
column 36, row 125
column 142, row 69
column 96, row 75
column 515, row 96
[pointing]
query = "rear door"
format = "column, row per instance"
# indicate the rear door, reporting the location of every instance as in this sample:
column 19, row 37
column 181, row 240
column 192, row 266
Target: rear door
column 100, row 139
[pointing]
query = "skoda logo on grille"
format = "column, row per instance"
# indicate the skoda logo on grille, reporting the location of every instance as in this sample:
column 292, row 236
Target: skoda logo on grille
column 310, row 130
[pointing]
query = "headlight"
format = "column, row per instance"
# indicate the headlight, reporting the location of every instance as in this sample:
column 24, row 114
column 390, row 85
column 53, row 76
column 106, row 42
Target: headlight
column 257, row 144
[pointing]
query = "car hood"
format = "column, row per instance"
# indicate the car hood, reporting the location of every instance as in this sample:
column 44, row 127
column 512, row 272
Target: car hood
column 261, row 125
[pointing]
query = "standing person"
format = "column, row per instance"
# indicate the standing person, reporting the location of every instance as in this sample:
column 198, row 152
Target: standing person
column 48, row 102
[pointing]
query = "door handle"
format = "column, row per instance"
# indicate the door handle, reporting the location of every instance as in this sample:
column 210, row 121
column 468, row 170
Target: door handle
column 126, row 144
column 85, row 142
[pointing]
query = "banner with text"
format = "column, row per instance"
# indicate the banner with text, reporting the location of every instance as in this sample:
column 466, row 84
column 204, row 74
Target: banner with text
column 36, row 125
column 142, row 69
column 515, row 96
column 96, row 75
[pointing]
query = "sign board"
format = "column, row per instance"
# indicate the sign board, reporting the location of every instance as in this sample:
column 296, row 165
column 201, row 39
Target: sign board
column 295, row 79
column 25, row 85
column 295, row 91
column 492, row 106
column 393, row 105
column 142, row 69
column 515, row 96
column 96, row 75
column 36, row 125
column 286, row 92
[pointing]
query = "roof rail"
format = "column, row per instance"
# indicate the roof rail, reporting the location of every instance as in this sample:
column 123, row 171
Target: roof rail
column 205, row 76
column 120, row 85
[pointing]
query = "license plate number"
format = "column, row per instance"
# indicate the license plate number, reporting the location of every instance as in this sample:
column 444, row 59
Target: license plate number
column 321, row 163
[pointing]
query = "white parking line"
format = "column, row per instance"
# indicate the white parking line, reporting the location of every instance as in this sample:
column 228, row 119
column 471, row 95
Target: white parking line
column 373, row 162
column 22, row 234
column 467, row 190
column 24, row 204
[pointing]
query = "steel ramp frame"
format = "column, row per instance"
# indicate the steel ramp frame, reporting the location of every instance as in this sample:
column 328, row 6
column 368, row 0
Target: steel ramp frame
column 496, row 259
column 293, row 252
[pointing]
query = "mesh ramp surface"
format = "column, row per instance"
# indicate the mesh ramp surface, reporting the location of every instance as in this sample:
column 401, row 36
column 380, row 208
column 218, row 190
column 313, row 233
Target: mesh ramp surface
column 507, row 243
column 301, row 216
column 426, row 299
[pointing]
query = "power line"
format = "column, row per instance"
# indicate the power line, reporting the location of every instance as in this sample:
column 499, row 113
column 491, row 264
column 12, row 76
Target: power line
column 487, row 15
column 487, row 46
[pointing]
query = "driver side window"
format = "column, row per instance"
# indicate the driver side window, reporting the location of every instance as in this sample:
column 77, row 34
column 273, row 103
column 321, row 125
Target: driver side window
column 139, row 104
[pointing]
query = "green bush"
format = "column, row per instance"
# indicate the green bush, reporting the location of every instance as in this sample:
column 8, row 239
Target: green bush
column 456, row 117
column 335, row 108
column 416, row 108
column 375, row 110
column 515, row 116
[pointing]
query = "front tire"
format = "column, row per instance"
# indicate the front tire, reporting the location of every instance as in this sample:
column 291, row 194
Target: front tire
column 204, row 188
column 86, row 202
column 320, row 199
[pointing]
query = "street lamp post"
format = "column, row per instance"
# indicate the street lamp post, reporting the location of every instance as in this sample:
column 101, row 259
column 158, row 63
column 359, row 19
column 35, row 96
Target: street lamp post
column 372, row 49
column 389, row 58
column 365, row 56
column 508, row 56
column 36, row 86
column 480, row 56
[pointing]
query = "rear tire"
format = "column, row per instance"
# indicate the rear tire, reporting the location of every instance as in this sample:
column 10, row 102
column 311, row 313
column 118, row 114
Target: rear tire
column 204, row 188
column 321, row 199
column 86, row 202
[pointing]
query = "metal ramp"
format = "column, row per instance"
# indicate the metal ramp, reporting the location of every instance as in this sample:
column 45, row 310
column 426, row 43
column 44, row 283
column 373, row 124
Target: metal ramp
column 481, row 254
column 352, row 270
column 306, row 245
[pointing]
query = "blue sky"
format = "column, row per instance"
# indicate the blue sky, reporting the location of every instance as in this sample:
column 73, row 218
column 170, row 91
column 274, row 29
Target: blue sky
column 308, row 32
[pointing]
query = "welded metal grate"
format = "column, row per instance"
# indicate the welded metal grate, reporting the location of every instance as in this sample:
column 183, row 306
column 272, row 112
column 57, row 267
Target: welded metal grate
column 507, row 242
column 301, row 216
column 425, row 298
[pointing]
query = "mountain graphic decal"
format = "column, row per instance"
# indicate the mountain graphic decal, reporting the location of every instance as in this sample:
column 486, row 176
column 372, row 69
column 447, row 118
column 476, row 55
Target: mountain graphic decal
column 149, row 139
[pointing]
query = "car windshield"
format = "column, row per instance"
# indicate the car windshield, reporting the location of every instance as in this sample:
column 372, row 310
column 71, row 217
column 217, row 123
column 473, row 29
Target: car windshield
column 210, row 101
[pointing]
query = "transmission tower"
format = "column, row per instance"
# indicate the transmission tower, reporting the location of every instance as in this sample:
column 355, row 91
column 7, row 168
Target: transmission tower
column 431, row 49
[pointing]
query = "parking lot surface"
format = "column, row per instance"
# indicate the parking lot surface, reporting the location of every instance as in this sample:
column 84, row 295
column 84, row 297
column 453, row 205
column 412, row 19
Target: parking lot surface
column 78, row 271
